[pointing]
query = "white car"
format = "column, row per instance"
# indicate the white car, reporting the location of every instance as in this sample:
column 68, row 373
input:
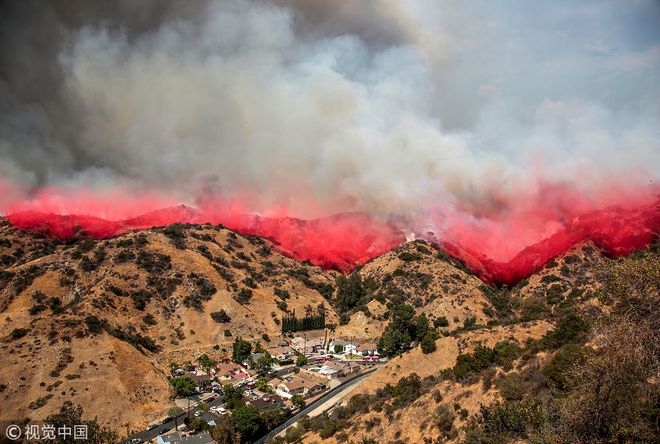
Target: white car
column 248, row 392
column 198, row 413
column 219, row 410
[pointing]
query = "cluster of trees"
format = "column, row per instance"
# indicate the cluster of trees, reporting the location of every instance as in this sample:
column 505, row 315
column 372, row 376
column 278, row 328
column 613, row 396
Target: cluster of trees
column 353, row 291
column 71, row 415
column 291, row 323
column 404, row 330
column 246, row 423
column 241, row 350
column 602, row 395
column 388, row 398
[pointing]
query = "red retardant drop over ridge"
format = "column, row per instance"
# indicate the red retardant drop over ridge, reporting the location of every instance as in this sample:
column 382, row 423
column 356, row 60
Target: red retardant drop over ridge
column 347, row 240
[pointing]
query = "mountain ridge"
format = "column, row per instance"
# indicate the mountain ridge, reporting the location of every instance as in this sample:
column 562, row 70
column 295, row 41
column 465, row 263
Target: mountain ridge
column 345, row 241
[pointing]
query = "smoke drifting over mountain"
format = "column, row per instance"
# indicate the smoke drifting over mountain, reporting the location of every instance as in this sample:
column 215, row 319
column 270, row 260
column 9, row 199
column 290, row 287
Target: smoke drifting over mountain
column 311, row 107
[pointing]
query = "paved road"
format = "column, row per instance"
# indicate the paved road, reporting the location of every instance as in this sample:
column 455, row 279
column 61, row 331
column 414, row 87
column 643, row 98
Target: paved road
column 313, row 406
column 148, row 435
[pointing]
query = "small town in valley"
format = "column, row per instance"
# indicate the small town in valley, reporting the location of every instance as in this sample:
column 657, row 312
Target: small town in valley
column 271, row 384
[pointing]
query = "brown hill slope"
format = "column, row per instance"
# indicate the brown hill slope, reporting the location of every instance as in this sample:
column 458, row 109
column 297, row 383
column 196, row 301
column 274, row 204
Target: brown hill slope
column 586, row 371
column 154, row 292
column 99, row 322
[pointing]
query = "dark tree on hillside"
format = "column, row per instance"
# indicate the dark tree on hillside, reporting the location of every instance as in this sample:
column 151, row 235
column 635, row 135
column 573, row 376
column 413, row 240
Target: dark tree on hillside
column 183, row 386
column 240, row 350
column 291, row 323
column 350, row 292
column 70, row 416
column 248, row 421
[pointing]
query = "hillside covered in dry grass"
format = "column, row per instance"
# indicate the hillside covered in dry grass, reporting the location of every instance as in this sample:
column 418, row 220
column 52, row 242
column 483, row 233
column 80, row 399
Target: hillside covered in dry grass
column 98, row 322
column 572, row 356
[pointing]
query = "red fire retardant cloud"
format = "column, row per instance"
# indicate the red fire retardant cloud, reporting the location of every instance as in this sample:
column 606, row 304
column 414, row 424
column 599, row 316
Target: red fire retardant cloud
column 502, row 244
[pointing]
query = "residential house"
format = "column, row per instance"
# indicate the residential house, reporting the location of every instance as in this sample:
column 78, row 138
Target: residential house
column 280, row 353
column 321, row 370
column 367, row 349
column 252, row 360
column 225, row 371
column 176, row 437
column 202, row 381
column 308, row 345
column 296, row 385
column 344, row 368
column 266, row 402
column 347, row 347
column 334, row 369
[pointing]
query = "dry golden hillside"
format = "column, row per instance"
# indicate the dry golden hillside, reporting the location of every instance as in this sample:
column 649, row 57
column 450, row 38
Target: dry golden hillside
column 417, row 274
column 584, row 369
column 414, row 422
column 148, row 299
column 98, row 322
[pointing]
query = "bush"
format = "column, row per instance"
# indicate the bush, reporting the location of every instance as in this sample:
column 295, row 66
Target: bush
column 407, row 390
column 135, row 339
column 221, row 317
column 442, row 321
column 467, row 364
column 407, row 256
column 557, row 371
column 554, row 294
column 124, row 256
column 153, row 262
column 140, row 299
column 469, row 322
column 533, row 308
column 244, row 296
column 282, row 294
column 506, row 352
column 444, row 418
column 513, row 419
column 18, row 333
column 149, row 319
column 94, row 324
column 512, row 387
column 428, row 344
column 570, row 328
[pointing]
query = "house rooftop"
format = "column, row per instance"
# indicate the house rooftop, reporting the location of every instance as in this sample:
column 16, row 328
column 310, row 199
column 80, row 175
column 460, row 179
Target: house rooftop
column 275, row 351
column 266, row 403
column 178, row 438
column 200, row 378
column 366, row 346
column 228, row 366
column 298, row 382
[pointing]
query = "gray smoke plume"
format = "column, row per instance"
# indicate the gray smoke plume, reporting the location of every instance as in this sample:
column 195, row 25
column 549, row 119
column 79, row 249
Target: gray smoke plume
column 373, row 105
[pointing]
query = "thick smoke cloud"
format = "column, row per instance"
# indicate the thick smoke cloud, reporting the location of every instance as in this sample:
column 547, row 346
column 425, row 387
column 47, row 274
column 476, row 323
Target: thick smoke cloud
column 379, row 106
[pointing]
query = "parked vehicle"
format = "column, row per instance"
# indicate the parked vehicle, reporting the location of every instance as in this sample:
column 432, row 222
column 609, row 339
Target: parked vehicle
column 219, row 410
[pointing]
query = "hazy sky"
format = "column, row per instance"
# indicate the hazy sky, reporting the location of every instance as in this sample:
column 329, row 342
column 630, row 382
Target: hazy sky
column 372, row 105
